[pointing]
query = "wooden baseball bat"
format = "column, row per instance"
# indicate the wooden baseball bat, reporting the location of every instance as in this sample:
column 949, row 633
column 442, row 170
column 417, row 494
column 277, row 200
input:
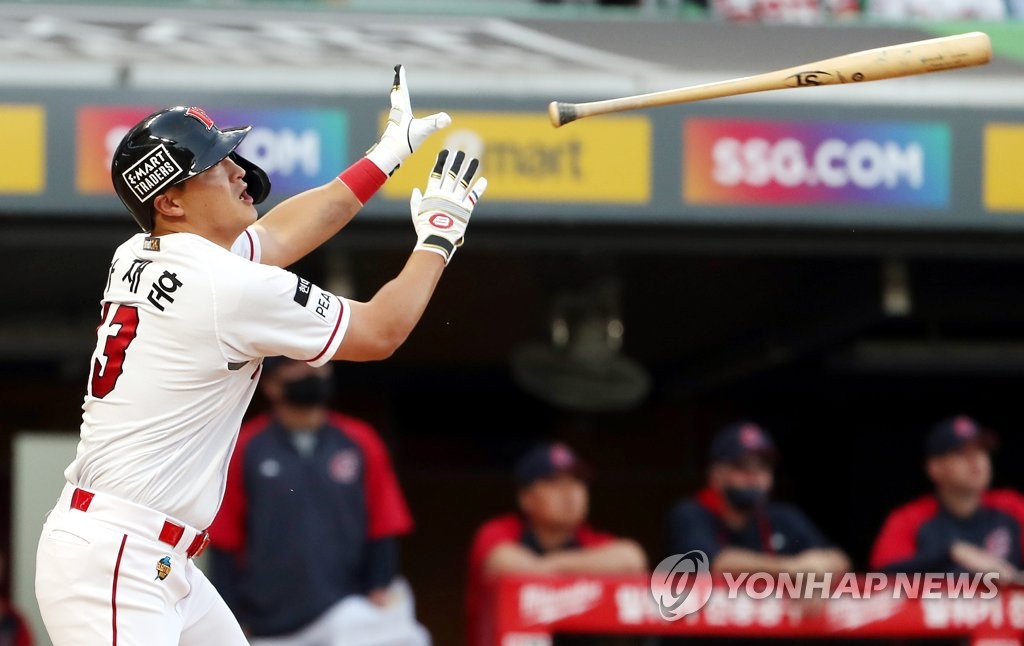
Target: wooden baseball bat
column 893, row 61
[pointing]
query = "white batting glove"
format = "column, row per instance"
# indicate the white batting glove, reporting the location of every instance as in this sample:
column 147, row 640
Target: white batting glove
column 441, row 214
column 404, row 132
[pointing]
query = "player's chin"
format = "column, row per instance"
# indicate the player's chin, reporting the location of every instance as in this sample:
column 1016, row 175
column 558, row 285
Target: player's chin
column 249, row 209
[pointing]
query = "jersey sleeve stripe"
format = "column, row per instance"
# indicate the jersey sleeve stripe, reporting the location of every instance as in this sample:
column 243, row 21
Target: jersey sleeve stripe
column 252, row 246
column 342, row 316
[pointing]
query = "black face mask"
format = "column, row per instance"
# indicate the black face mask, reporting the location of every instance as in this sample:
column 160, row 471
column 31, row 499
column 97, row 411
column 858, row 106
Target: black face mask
column 310, row 391
column 745, row 498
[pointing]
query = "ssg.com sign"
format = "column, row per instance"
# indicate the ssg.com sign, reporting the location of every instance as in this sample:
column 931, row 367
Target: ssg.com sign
column 733, row 161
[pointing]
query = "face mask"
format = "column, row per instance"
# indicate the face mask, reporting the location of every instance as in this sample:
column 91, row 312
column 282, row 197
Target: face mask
column 745, row 498
column 310, row 391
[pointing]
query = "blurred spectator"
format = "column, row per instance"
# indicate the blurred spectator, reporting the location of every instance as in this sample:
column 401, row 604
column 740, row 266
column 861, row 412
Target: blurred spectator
column 609, row 3
column 963, row 526
column 13, row 629
column 937, row 9
column 549, row 535
column 787, row 11
column 733, row 521
column 305, row 545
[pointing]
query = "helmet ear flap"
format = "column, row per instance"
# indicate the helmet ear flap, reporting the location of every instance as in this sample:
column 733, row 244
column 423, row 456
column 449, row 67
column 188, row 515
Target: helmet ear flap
column 255, row 177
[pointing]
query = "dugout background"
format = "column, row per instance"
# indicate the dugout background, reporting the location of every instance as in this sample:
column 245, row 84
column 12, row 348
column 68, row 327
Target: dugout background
column 771, row 333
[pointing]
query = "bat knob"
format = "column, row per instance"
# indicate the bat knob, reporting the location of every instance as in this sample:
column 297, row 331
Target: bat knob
column 561, row 113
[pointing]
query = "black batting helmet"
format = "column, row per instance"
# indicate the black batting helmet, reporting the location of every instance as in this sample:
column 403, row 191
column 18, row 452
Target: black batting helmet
column 167, row 148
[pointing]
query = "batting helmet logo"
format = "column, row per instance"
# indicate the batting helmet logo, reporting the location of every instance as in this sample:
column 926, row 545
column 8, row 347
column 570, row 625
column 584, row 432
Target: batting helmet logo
column 199, row 113
column 441, row 221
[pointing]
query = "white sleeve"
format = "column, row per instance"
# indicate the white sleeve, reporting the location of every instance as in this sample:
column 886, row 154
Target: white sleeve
column 247, row 246
column 267, row 311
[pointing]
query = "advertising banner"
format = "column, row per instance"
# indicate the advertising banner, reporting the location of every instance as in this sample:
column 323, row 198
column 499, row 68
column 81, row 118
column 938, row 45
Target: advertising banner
column 1003, row 188
column 741, row 161
column 524, row 159
column 23, row 162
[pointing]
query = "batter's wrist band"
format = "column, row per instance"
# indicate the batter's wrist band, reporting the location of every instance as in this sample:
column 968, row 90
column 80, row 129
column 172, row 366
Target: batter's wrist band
column 364, row 179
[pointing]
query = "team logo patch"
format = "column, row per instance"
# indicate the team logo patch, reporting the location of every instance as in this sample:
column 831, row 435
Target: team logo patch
column 151, row 173
column 751, row 437
column 561, row 456
column 270, row 468
column 965, row 428
column 151, row 244
column 344, row 466
column 163, row 568
column 441, row 221
column 302, row 292
column 200, row 115
column 997, row 543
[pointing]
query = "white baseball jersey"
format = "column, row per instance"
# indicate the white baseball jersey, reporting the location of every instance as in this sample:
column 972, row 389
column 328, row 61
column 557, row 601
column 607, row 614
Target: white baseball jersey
column 185, row 325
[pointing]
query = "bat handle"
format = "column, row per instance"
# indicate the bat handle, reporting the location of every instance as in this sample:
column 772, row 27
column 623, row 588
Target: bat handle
column 561, row 113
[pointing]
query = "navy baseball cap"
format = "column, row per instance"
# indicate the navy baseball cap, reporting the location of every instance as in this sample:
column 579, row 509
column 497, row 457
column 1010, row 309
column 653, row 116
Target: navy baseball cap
column 953, row 433
column 740, row 439
column 547, row 460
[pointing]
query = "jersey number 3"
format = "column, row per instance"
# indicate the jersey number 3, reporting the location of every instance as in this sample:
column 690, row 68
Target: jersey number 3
column 126, row 320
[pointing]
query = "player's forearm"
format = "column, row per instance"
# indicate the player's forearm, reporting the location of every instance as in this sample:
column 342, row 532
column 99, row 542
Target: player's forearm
column 404, row 299
column 929, row 558
column 511, row 558
column 618, row 557
column 305, row 221
column 735, row 559
column 976, row 559
column 829, row 559
column 381, row 325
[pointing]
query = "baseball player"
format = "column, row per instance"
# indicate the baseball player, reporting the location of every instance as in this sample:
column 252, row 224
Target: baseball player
column 305, row 548
column 549, row 534
column 735, row 522
column 191, row 307
column 964, row 525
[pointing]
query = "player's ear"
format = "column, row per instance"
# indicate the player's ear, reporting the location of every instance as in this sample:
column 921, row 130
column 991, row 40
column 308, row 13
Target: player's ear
column 169, row 203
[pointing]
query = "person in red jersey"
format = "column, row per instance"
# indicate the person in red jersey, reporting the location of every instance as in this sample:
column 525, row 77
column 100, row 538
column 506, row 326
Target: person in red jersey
column 548, row 535
column 964, row 526
column 14, row 630
column 305, row 547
